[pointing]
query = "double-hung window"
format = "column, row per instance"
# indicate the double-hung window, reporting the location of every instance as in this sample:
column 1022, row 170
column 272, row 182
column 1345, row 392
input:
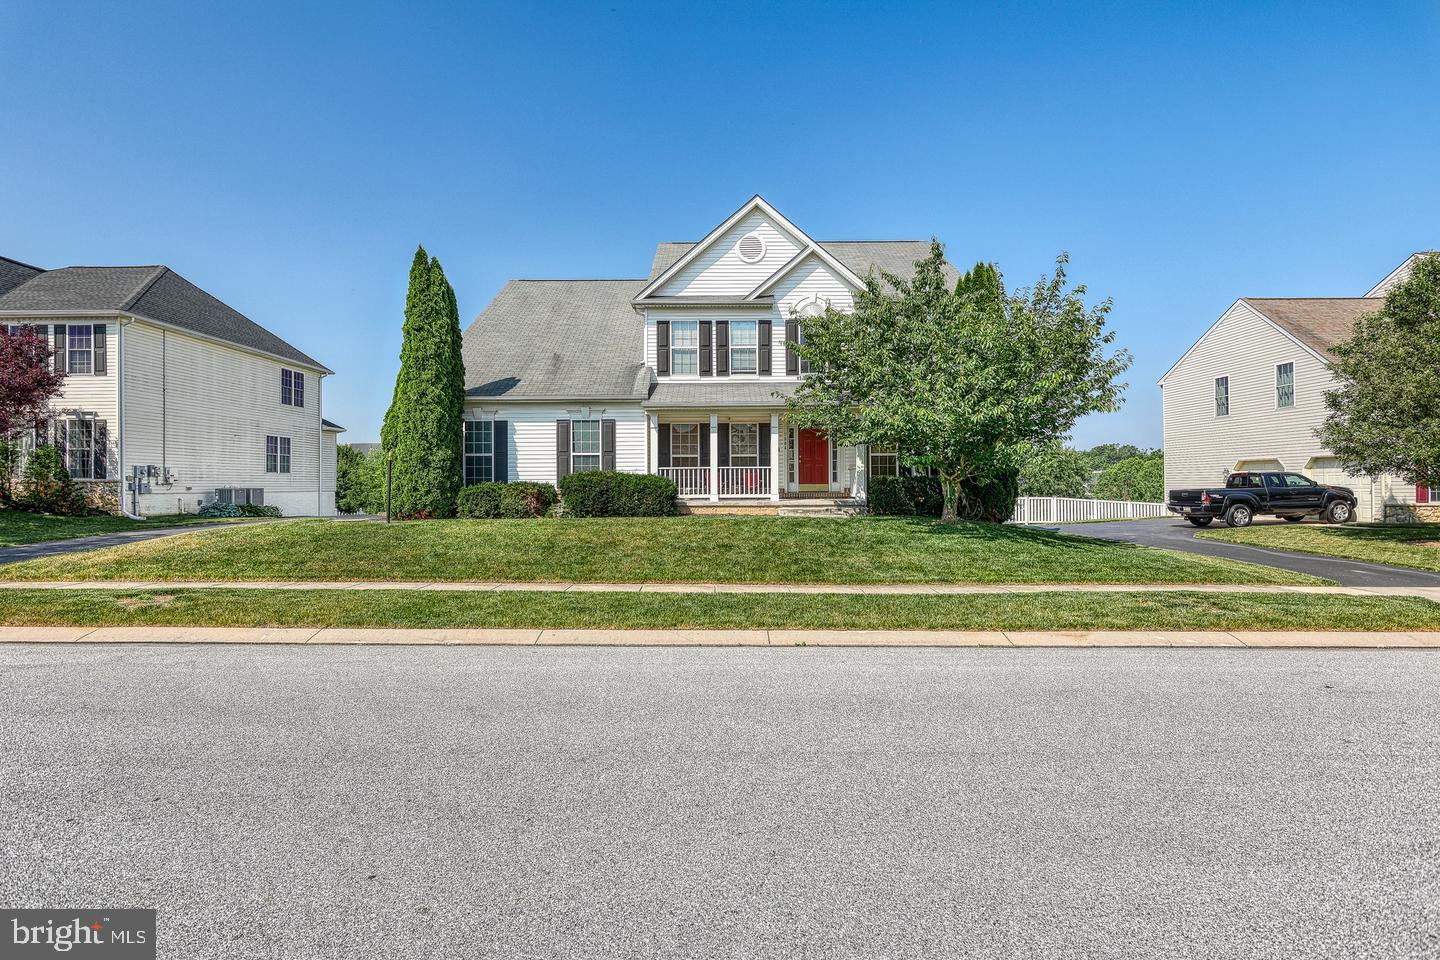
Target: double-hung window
column 277, row 454
column 1285, row 385
column 1222, row 396
column 80, row 349
column 479, row 451
column 744, row 445
column 292, row 388
column 743, row 355
column 584, row 445
column 684, row 347
column 80, row 448
column 884, row 462
column 684, row 444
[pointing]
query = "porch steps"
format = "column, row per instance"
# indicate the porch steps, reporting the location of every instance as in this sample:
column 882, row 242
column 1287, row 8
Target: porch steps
column 817, row 507
column 828, row 508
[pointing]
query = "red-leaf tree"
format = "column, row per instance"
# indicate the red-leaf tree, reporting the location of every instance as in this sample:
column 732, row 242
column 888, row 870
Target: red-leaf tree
column 28, row 378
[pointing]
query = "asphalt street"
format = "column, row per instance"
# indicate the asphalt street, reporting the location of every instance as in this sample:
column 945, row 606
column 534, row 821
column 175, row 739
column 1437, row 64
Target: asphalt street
column 1180, row 535
column 342, row 802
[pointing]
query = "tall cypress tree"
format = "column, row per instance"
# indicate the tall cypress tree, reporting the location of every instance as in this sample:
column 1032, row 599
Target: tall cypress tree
column 422, row 427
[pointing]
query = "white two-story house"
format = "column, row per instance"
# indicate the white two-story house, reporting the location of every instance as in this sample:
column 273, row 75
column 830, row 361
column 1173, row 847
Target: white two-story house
column 683, row 373
column 1250, row 395
column 171, row 398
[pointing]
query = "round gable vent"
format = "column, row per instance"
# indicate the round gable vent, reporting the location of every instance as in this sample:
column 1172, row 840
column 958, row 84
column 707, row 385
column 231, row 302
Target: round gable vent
column 751, row 248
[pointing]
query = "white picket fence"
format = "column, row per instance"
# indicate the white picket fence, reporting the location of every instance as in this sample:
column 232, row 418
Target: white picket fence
column 1071, row 510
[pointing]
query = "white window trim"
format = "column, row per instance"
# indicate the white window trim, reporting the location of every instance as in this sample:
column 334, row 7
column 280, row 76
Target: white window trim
column 756, row 455
column 599, row 453
column 696, row 433
column 284, row 459
column 674, row 350
column 1293, row 386
column 88, row 352
column 1215, row 397
column 754, row 348
column 466, row 456
column 70, row 447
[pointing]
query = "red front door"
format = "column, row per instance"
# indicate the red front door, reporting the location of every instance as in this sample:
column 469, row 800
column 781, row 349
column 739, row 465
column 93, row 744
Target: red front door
column 814, row 459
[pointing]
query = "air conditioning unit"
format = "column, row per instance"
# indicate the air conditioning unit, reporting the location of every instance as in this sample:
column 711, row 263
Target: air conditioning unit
column 240, row 495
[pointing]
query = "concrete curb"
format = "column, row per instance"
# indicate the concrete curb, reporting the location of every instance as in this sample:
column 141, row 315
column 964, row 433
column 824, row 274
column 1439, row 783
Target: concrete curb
column 339, row 636
column 921, row 589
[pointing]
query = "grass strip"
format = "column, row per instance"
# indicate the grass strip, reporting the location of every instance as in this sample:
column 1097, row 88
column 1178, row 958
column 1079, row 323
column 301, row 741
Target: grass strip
column 1414, row 545
column 648, row 550
column 19, row 527
column 408, row 608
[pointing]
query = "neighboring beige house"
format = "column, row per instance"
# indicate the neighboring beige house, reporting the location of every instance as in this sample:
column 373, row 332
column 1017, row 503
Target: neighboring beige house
column 1249, row 395
column 683, row 372
column 163, row 377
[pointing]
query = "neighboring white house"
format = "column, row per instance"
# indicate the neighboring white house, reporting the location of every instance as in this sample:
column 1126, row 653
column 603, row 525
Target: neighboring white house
column 682, row 373
column 164, row 377
column 1249, row 395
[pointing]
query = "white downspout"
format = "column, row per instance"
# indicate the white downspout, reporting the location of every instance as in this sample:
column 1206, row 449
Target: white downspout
column 120, row 419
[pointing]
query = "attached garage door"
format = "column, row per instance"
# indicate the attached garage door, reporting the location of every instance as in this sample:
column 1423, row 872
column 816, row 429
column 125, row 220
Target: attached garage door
column 1327, row 470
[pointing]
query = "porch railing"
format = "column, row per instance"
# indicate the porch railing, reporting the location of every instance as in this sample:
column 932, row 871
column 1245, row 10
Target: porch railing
column 745, row 481
column 692, row 481
column 731, row 481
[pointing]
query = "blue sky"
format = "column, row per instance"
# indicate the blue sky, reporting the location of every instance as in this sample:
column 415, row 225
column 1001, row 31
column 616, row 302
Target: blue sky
column 288, row 158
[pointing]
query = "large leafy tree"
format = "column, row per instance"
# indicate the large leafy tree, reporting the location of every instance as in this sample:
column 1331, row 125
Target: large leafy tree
column 421, row 431
column 965, row 380
column 1134, row 478
column 1385, row 410
column 28, row 378
column 1055, row 470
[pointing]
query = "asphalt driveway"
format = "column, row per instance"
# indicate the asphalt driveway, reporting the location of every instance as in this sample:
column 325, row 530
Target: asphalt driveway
column 503, row 802
column 1180, row 535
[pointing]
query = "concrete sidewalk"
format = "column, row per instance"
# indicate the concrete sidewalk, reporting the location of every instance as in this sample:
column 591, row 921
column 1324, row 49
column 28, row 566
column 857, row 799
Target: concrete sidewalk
column 923, row 589
column 722, row 638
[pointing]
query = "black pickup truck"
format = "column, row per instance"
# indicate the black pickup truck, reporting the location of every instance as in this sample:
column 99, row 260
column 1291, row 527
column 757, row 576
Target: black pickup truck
column 1290, row 496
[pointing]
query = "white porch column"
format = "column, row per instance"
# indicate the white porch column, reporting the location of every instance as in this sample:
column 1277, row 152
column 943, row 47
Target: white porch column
column 862, row 473
column 714, row 457
column 652, row 458
column 775, row 456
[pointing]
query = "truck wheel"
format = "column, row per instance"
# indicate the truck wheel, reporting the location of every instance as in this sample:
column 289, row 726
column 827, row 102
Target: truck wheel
column 1200, row 521
column 1239, row 515
column 1339, row 512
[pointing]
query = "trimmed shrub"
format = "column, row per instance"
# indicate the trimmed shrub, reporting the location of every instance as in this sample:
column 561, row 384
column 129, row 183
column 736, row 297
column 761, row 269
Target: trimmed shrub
column 517, row 501
column 606, row 493
column 218, row 509
column 46, row 485
column 479, row 501
column 992, row 501
column 259, row 510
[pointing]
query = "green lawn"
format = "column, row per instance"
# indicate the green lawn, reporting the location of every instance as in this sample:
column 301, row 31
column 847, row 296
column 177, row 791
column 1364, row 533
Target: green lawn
column 675, row 550
column 18, row 527
column 554, row 609
column 1403, row 545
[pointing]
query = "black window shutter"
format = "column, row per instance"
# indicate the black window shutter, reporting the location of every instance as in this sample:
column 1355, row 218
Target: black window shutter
column 792, row 337
column 763, row 334
column 607, row 444
column 662, row 348
column 98, row 341
column 724, row 450
column 501, row 451
column 102, row 449
column 764, row 445
column 662, row 451
column 562, row 448
column 705, row 368
column 705, row 444
column 722, row 348
column 60, row 353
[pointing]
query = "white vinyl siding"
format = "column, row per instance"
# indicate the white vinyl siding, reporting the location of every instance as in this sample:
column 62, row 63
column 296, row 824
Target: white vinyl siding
column 719, row 272
column 531, row 441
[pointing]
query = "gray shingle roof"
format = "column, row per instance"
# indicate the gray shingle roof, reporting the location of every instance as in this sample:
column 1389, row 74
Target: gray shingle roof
column 861, row 256
column 558, row 340
column 13, row 273
column 328, row 425
column 1317, row 322
column 155, row 292
column 748, row 393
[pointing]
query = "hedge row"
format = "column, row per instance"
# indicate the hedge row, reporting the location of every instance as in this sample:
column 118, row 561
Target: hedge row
column 992, row 501
column 590, row 494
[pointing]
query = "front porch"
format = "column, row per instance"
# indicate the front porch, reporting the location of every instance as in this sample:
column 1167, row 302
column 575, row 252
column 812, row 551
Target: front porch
column 751, row 457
